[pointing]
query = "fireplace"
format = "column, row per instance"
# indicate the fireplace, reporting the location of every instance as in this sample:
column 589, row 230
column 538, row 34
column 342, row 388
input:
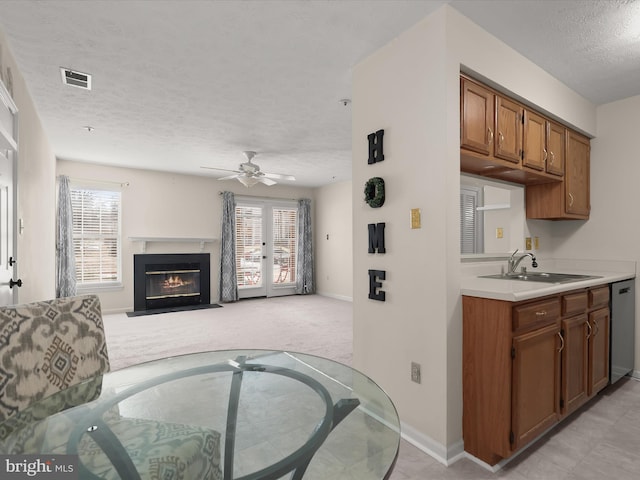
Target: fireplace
column 171, row 281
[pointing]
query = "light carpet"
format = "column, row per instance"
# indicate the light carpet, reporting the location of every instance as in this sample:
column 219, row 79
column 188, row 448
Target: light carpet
column 300, row 323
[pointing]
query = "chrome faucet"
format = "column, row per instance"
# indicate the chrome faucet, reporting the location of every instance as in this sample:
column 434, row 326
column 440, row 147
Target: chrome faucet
column 514, row 262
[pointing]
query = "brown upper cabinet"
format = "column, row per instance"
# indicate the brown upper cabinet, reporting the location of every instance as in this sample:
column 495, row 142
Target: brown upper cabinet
column 503, row 139
column 569, row 199
column 508, row 141
column 555, row 148
column 477, row 118
column 543, row 144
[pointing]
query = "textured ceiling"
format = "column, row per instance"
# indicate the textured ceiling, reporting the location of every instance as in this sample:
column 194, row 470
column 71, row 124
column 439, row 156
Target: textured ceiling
column 183, row 84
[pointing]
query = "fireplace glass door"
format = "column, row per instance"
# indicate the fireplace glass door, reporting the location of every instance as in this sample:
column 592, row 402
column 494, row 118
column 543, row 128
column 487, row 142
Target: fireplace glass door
column 172, row 286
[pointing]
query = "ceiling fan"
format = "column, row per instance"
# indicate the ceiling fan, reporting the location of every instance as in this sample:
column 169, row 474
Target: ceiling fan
column 249, row 173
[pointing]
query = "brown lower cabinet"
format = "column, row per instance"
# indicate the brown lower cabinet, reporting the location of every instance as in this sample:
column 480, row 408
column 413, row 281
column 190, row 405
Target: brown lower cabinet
column 527, row 365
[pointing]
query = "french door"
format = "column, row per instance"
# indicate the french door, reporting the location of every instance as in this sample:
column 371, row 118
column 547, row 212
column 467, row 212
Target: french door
column 266, row 243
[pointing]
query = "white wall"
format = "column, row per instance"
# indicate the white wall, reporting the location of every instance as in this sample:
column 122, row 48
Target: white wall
column 158, row 204
column 36, row 194
column 333, row 236
column 612, row 231
column 410, row 88
column 401, row 89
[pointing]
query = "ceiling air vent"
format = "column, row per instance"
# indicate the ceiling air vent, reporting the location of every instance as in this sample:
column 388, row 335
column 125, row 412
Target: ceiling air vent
column 75, row 79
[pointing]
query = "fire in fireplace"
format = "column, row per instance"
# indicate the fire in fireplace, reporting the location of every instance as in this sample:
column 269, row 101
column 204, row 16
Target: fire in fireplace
column 170, row 280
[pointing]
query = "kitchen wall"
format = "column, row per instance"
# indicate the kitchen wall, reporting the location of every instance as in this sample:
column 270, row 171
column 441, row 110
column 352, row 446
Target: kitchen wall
column 410, row 88
column 613, row 230
column 159, row 204
column 36, row 193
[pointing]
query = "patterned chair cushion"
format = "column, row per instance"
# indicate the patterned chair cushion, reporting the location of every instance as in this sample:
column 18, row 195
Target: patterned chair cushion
column 47, row 346
column 158, row 450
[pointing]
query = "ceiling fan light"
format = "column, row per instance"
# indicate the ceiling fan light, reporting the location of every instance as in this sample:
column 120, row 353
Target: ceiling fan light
column 248, row 181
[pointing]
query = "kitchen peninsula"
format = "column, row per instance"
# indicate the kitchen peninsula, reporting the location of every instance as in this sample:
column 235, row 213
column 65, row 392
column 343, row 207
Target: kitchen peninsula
column 533, row 352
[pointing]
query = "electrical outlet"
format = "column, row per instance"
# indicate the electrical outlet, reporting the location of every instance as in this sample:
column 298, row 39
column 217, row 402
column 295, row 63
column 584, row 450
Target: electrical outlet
column 415, row 372
column 527, row 243
column 536, row 243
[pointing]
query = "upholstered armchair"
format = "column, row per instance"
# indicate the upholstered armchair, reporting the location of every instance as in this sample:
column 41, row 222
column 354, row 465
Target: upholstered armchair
column 46, row 348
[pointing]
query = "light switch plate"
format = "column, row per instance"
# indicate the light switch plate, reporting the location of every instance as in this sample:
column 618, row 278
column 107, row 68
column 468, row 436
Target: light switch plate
column 499, row 232
column 415, row 218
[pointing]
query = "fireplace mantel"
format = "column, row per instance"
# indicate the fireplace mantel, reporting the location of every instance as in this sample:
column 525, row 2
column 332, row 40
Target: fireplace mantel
column 145, row 240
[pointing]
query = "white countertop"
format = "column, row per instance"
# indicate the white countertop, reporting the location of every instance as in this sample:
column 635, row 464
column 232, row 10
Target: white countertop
column 517, row 290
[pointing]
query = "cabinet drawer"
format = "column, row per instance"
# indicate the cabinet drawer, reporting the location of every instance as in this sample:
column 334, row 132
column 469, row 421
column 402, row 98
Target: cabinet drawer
column 598, row 296
column 574, row 303
column 534, row 315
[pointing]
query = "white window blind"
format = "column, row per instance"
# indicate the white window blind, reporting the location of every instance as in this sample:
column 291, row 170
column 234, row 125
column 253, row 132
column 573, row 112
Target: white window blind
column 96, row 235
column 285, row 238
column 248, row 245
column 471, row 240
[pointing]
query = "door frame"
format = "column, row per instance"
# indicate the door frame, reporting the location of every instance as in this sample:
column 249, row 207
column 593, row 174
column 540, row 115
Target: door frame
column 9, row 144
column 267, row 288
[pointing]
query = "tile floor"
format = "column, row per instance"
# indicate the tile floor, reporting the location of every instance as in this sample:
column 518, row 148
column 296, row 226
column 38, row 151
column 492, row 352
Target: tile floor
column 601, row 440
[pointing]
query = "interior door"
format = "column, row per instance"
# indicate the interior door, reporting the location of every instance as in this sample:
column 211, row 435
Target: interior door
column 8, row 156
column 266, row 240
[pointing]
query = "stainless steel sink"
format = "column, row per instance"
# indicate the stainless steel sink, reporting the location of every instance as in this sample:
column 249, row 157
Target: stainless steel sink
column 542, row 277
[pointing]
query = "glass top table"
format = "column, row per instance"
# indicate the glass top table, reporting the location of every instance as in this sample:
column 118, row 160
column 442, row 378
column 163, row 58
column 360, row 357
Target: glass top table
column 234, row 414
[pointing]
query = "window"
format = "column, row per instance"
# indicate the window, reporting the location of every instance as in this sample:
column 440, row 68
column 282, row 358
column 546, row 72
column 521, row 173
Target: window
column 96, row 236
column 471, row 236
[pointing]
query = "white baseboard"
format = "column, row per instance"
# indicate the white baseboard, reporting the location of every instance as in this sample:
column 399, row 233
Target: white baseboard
column 636, row 374
column 333, row 295
column 446, row 456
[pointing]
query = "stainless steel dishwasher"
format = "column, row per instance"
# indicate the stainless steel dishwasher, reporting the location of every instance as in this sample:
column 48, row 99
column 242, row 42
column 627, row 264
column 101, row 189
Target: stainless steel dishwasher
column 623, row 319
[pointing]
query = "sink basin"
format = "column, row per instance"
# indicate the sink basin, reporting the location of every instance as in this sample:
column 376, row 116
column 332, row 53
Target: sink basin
column 542, row 277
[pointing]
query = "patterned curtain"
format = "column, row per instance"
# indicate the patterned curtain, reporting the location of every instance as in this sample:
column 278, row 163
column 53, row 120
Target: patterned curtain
column 304, row 262
column 228, row 282
column 65, row 259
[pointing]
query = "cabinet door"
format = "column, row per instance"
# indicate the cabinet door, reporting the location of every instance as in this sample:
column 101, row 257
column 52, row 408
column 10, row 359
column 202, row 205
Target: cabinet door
column 508, row 141
column 535, row 383
column 599, row 350
column 555, row 148
column 476, row 117
column 576, row 177
column 534, row 143
column 575, row 357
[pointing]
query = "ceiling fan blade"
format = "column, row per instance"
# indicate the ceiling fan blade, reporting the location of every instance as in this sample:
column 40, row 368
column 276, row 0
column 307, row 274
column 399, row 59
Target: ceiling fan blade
column 231, row 177
column 279, row 176
column 221, row 169
column 266, row 181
